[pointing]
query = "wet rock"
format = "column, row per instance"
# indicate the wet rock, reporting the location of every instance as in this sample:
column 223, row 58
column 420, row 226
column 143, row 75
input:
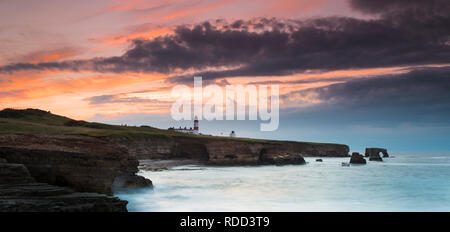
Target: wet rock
column 40, row 197
column 284, row 159
column 20, row 193
column 126, row 181
column 357, row 158
column 319, row 160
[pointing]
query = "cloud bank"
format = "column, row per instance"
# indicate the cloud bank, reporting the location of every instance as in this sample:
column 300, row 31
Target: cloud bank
column 403, row 33
column 420, row 96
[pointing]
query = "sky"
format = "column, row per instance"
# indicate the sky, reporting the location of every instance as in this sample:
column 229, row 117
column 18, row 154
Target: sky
column 358, row 72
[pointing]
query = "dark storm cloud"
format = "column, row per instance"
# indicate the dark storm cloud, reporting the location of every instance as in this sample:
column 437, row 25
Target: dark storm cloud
column 396, row 7
column 417, row 96
column 428, row 18
column 406, row 33
column 305, row 81
column 434, row 81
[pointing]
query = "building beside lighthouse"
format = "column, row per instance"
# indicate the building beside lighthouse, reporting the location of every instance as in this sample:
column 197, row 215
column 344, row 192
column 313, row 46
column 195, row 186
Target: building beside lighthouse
column 188, row 130
column 232, row 134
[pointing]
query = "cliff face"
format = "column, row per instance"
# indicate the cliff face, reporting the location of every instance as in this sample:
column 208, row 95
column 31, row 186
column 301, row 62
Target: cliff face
column 19, row 192
column 99, row 164
column 227, row 151
column 83, row 163
column 123, row 144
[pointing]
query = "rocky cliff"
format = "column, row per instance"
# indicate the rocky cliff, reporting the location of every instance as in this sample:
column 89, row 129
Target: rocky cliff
column 83, row 163
column 19, row 192
column 226, row 151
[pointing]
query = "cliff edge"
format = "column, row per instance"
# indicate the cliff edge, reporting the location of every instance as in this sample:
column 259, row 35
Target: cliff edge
column 41, row 129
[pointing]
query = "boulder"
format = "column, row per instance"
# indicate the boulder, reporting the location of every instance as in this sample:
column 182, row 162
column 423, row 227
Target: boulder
column 126, row 181
column 357, row 158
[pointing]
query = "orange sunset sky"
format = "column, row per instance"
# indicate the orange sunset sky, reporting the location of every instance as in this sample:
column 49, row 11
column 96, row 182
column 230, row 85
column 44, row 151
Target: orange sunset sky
column 116, row 61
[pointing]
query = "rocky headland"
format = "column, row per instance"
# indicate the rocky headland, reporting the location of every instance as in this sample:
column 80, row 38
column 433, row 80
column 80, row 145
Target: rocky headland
column 53, row 163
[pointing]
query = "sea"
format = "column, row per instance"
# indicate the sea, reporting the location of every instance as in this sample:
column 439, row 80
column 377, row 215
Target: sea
column 407, row 181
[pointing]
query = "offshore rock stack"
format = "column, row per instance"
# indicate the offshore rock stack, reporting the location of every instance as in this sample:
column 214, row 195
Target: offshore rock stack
column 357, row 158
column 374, row 154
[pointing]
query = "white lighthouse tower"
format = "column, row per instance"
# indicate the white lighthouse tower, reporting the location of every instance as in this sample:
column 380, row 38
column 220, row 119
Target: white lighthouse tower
column 195, row 125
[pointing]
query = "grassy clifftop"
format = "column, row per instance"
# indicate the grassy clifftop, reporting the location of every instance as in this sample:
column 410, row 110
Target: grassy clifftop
column 35, row 121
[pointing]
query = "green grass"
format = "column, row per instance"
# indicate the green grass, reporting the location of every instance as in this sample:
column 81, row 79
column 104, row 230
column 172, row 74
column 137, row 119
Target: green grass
column 34, row 121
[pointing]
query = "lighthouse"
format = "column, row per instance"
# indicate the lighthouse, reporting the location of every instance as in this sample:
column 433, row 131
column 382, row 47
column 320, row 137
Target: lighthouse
column 195, row 125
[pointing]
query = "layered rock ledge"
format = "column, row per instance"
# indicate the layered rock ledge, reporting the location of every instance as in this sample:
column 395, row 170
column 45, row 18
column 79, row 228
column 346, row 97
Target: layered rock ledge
column 19, row 192
column 83, row 163
column 41, row 197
